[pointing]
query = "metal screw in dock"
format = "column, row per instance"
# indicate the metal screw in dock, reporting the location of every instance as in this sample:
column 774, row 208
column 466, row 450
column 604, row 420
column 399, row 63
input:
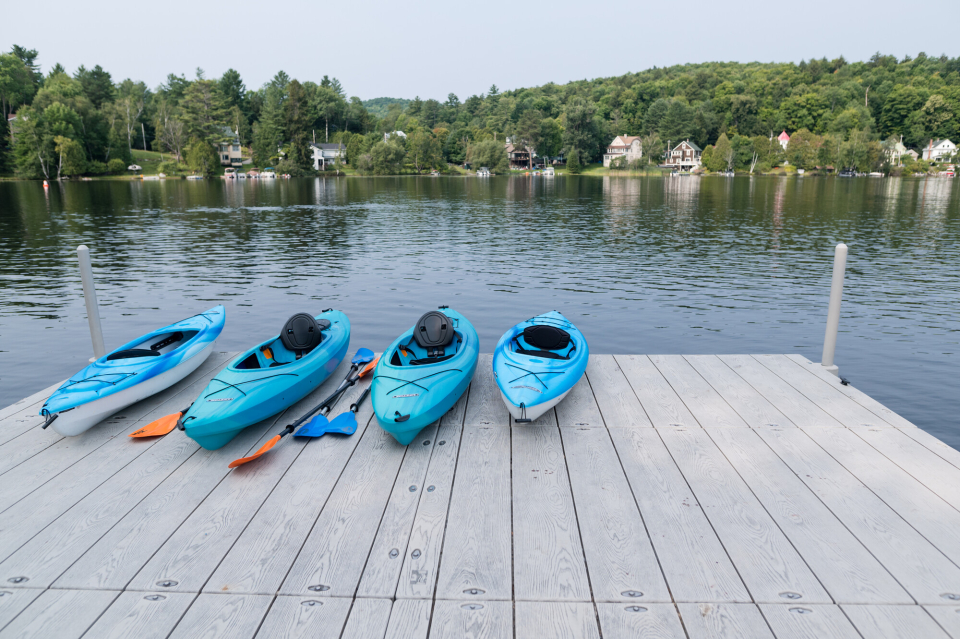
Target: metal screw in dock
column 833, row 313
column 90, row 298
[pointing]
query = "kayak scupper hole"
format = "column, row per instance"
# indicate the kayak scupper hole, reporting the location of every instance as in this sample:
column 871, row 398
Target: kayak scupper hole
column 167, row 583
column 155, row 597
column 318, row 588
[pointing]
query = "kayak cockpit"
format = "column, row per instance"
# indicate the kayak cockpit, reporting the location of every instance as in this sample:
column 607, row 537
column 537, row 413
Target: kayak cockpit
column 433, row 339
column 543, row 340
column 154, row 345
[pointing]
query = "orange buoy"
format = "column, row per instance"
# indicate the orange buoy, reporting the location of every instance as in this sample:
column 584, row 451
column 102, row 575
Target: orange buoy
column 46, row 185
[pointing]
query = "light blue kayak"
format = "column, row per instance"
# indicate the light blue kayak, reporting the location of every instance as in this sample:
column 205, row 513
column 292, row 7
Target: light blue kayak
column 268, row 378
column 423, row 373
column 133, row 372
column 537, row 362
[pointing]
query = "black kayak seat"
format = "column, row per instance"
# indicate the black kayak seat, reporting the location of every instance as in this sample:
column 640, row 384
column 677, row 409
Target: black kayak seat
column 131, row 353
column 433, row 332
column 302, row 333
column 544, row 340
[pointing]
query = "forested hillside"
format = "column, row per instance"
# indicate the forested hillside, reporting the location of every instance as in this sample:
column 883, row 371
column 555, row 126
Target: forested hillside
column 838, row 113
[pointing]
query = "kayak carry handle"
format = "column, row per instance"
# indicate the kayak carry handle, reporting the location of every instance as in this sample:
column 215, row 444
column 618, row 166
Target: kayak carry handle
column 399, row 417
column 49, row 420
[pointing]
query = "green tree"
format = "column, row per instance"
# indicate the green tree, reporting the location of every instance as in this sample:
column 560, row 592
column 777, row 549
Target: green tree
column 581, row 129
column 16, row 84
column 71, row 160
column 573, row 161
column 202, row 157
column 386, row 158
column 203, row 111
column 97, row 85
column 527, row 133
column 488, row 153
column 550, row 140
column 423, row 150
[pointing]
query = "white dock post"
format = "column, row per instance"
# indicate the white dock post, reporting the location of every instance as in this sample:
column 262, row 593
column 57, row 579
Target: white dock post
column 833, row 314
column 90, row 297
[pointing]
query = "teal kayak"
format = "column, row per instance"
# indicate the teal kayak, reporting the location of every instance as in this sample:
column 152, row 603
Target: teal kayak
column 135, row 371
column 537, row 362
column 268, row 378
column 424, row 372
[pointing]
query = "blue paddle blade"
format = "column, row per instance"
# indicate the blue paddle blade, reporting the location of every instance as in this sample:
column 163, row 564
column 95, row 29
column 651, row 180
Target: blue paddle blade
column 314, row 428
column 344, row 423
column 363, row 356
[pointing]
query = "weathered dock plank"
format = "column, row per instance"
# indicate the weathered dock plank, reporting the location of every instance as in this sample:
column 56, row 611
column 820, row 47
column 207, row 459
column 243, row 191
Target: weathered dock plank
column 418, row 574
column 657, row 397
column 649, row 621
column 894, row 622
column 769, row 565
column 234, row 616
column 803, row 621
column 472, row 620
column 752, row 407
column 724, row 621
column 64, row 614
column 305, row 617
column 548, row 558
column 555, row 620
column 142, row 615
column 616, row 400
column 621, row 561
column 368, row 619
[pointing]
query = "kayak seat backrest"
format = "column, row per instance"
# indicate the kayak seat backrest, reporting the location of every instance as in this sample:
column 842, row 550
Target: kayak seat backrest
column 302, row 333
column 545, row 341
column 548, row 338
column 131, row 353
column 434, row 331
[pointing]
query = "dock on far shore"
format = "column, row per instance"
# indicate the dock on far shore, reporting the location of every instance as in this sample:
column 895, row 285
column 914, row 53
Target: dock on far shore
column 681, row 497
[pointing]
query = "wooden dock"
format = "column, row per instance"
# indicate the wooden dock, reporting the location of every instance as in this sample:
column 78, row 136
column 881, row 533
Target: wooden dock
column 667, row 496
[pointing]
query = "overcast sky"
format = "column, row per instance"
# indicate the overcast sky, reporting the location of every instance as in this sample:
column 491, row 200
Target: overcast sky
column 431, row 48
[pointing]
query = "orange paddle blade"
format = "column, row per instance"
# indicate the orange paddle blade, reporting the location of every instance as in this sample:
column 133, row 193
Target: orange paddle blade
column 368, row 368
column 158, row 427
column 243, row 460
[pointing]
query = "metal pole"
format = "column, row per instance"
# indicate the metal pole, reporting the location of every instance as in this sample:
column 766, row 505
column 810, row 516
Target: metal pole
column 90, row 298
column 833, row 314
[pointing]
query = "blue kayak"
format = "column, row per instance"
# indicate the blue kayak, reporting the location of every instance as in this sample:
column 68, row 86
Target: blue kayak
column 268, row 378
column 537, row 362
column 133, row 372
column 423, row 373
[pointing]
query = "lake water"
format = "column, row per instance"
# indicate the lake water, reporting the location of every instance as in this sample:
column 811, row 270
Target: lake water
column 641, row 265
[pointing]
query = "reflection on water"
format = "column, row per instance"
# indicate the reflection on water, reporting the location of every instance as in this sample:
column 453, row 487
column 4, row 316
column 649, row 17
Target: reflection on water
column 650, row 265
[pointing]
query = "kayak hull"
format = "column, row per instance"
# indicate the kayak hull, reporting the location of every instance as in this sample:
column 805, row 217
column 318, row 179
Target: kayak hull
column 151, row 363
column 532, row 385
column 254, row 387
column 407, row 398
column 77, row 420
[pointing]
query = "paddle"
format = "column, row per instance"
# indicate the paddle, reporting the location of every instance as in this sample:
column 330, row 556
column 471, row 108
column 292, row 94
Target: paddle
column 363, row 356
column 160, row 426
column 344, row 423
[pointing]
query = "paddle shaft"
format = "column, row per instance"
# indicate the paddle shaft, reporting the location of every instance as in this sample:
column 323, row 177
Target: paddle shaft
column 349, row 381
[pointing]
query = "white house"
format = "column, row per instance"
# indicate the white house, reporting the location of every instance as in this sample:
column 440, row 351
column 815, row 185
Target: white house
column 623, row 146
column 324, row 155
column 228, row 148
column 684, row 157
column 939, row 150
column 783, row 139
column 895, row 151
column 387, row 136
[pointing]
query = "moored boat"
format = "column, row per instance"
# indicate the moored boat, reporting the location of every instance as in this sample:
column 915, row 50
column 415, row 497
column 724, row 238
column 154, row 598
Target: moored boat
column 133, row 372
column 537, row 362
column 424, row 372
column 268, row 378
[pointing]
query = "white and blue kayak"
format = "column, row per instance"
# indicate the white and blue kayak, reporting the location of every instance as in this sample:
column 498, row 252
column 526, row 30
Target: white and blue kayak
column 537, row 362
column 424, row 372
column 133, row 372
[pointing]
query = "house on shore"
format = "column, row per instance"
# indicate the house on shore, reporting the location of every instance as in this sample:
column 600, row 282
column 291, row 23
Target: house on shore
column 228, row 148
column 623, row 146
column 520, row 158
column 325, row 155
column 783, row 139
column 939, row 150
column 684, row 157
